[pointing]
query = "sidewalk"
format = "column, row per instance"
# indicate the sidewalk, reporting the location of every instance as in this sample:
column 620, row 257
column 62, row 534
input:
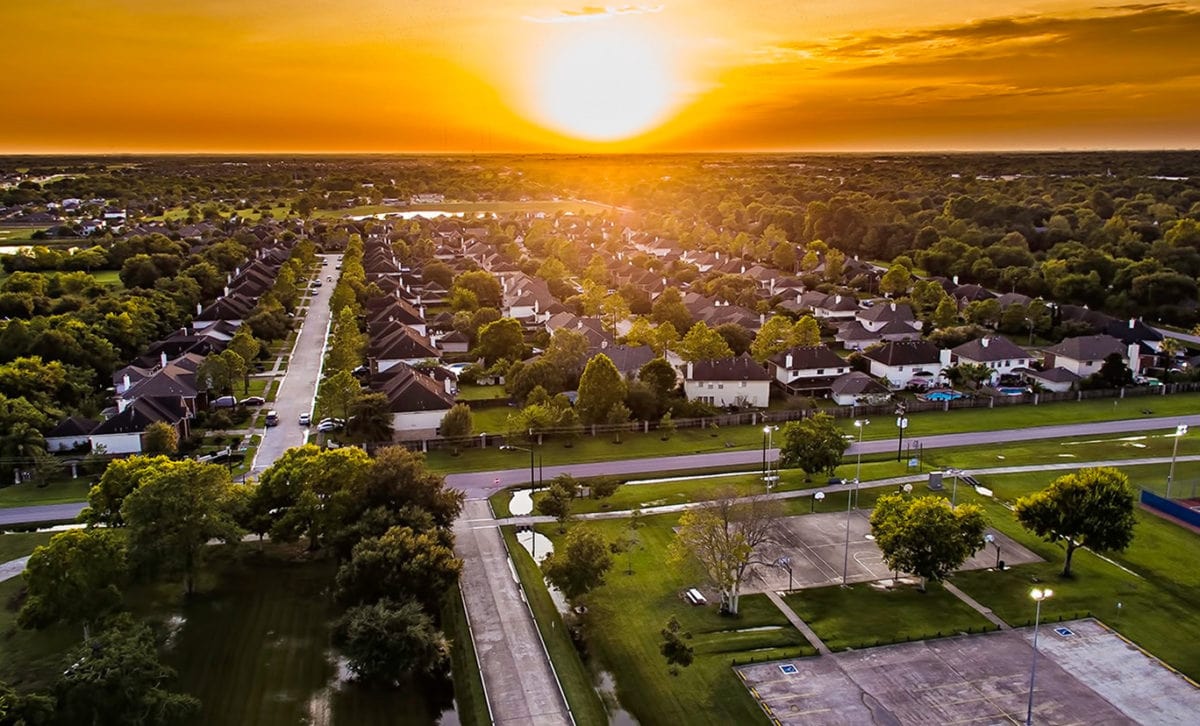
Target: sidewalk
column 12, row 568
column 798, row 624
column 519, row 680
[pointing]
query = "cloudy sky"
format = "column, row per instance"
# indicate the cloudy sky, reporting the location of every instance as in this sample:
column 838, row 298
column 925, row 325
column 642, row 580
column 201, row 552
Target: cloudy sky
column 522, row 75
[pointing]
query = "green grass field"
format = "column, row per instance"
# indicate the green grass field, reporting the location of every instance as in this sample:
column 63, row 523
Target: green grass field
column 623, row 634
column 57, row 492
column 20, row 544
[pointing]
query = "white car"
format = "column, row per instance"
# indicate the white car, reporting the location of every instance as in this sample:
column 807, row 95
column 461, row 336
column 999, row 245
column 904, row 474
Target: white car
column 305, row 419
column 330, row 424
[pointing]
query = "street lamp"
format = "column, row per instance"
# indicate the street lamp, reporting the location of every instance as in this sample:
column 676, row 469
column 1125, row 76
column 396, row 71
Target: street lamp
column 1180, row 430
column 817, row 497
column 991, row 539
column 954, row 488
column 861, row 425
column 846, row 559
column 786, row 563
column 1038, row 594
column 532, row 486
column 768, row 442
column 901, row 423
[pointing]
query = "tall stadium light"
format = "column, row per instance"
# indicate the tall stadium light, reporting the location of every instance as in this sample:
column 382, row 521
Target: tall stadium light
column 1038, row 594
column 1180, row 430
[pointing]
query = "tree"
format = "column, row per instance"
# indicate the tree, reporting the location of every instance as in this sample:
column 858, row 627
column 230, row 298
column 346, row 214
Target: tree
column 74, row 578
column 815, row 444
column 723, row 540
column 248, row 347
column 946, row 313
column 668, row 307
column 735, row 336
column 24, row 709
column 160, row 438
column 660, row 376
column 895, row 281
column 370, row 418
column 483, row 285
column 674, row 646
column 397, row 478
column 925, row 536
column 600, row 388
column 117, row 678
column 386, row 641
column 617, row 417
column 1091, row 508
column 604, row 487
column 703, row 343
column 666, row 426
column 559, row 498
column 457, row 425
column 775, row 336
column 500, row 340
column 120, row 479
column 337, row 394
column 46, row 466
column 1113, row 373
column 579, row 563
column 969, row 375
column 310, row 492
column 400, row 563
column 174, row 513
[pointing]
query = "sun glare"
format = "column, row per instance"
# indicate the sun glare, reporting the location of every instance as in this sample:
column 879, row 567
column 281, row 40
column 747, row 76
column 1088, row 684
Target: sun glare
column 605, row 84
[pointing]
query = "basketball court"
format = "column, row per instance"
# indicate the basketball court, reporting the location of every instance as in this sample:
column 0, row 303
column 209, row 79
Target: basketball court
column 1086, row 674
column 815, row 545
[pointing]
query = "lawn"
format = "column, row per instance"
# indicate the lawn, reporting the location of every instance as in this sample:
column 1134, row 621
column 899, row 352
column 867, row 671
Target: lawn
column 1158, row 588
column 20, row 544
column 481, row 393
column 469, row 696
column 863, row 615
column 623, row 634
column 57, row 492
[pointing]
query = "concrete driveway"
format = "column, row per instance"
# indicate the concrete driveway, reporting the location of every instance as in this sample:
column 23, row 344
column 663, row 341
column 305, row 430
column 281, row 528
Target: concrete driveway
column 299, row 387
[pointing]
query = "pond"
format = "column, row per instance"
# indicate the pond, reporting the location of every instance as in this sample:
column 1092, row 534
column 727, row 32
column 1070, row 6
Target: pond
column 256, row 649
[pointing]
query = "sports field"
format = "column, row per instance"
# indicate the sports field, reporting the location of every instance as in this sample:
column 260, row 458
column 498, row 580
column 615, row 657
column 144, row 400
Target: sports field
column 1086, row 674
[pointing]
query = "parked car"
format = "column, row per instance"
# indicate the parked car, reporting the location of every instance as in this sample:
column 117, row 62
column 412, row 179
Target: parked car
column 330, row 424
column 223, row 402
column 272, row 418
column 329, row 278
column 316, row 283
column 305, row 419
column 252, row 401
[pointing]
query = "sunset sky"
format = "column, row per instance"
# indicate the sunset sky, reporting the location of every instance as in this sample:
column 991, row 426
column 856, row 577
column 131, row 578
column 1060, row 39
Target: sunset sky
column 524, row 75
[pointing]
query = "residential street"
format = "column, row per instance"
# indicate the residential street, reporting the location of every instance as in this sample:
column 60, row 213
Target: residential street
column 299, row 386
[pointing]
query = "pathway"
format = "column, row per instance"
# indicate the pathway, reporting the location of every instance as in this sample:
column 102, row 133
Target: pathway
column 797, row 623
column 482, row 483
column 12, row 568
column 520, row 682
column 298, row 388
column 974, row 604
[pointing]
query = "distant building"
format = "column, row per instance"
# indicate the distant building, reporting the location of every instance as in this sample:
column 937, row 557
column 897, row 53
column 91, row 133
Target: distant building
column 738, row 381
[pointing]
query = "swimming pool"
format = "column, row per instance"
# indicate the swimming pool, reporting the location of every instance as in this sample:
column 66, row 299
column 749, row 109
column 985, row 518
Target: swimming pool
column 943, row 396
column 1012, row 391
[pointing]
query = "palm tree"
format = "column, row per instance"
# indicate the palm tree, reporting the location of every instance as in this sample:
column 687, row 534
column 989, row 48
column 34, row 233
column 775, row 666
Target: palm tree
column 1169, row 349
column 19, row 443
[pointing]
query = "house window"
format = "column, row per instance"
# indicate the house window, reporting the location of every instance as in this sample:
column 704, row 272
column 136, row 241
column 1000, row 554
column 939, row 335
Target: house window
column 742, row 384
column 721, row 386
column 820, row 371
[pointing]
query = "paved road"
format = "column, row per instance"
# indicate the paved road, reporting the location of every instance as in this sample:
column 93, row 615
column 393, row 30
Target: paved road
column 519, row 679
column 12, row 568
column 1185, row 337
column 482, row 483
column 299, row 386
column 41, row 513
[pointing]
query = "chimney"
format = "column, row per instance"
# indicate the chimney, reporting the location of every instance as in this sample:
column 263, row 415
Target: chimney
column 837, row 299
column 762, row 319
column 718, row 253
column 449, row 387
column 787, row 361
column 690, row 370
column 422, row 312
column 1132, row 323
column 199, row 308
column 984, row 341
column 743, row 269
column 893, row 307
column 1134, row 353
column 126, row 383
column 162, row 358
column 954, row 279
column 226, row 292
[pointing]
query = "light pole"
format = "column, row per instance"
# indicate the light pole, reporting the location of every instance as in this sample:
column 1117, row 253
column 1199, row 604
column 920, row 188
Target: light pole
column 991, row 539
column 532, row 487
column 846, row 559
column 1038, row 594
column 1180, row 430
column 769, row 478
column 786, row 563
column 901, row 423
column 861, row 425
column 816, row 497
column 954, row 489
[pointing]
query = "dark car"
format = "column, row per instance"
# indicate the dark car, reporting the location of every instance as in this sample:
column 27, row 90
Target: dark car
column 252, row 401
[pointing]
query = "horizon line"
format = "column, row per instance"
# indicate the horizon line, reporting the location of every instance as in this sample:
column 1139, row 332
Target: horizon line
column 597, row 153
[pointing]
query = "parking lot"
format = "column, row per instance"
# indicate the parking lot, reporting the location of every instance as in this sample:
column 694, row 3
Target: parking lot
column 816, row 546
column 1086, row 674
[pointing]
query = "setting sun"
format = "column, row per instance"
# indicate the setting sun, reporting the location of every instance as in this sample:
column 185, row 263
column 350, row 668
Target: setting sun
column 604, row 84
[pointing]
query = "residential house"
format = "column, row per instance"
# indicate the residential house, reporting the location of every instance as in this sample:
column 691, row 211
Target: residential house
column 1084, row 355
column 628, row 359
column 808, row 370
column 417, row 402
column 122, row 434
column 740, row 381
column 900, row 362
column 999, row 354
column 1054, row 379
column 396, row 343
column 70, row 434
column 836, row 307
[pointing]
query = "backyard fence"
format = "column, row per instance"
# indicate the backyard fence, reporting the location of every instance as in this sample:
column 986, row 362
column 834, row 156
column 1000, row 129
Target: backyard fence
column 1170, row 507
